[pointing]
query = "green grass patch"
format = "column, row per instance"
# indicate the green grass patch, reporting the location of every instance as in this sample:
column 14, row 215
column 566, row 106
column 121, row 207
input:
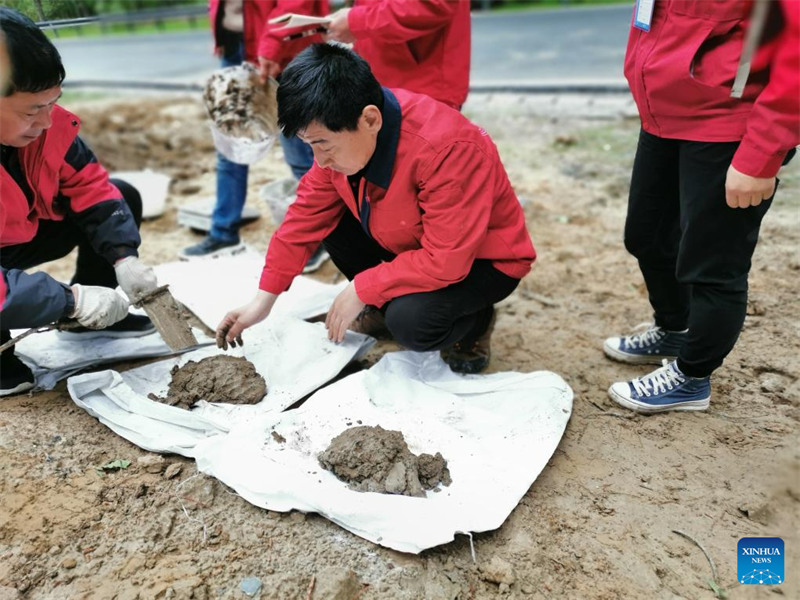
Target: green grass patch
column 144, row 27
column 520, row 5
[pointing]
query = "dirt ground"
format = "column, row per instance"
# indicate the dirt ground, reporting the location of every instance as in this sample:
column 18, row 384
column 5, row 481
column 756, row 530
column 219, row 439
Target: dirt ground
column 601, row 520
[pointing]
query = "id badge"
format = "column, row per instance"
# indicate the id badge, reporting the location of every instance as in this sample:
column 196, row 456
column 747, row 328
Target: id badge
column 643, row 14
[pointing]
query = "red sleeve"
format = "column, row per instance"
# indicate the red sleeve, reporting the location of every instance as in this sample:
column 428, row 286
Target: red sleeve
column 396, row 21
column 86, row 186
column 773, row 127
column 311, row 217
column 272, row 46
column 456, row 204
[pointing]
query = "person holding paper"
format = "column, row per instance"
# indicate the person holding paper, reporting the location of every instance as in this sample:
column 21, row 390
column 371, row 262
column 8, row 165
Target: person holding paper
column 411, row 201
column 717, row 85
column 422, row 47
column 242, row 32
column 55, row 196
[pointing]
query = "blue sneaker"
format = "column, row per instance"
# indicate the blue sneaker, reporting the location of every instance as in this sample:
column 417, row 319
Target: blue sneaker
column 664, row 389
column 650, row 346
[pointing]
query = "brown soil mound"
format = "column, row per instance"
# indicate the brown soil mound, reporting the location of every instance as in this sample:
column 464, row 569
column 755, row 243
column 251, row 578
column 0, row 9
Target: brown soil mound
column 215, row 379
column 373, row 459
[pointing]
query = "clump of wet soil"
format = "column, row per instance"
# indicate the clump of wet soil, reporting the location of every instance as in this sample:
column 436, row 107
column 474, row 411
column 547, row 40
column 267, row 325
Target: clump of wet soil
column 229, row 379
column 374, row 459
column 240, row 105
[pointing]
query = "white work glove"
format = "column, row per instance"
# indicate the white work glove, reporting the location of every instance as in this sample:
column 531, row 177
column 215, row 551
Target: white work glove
column 98, row 307
column 134, row 277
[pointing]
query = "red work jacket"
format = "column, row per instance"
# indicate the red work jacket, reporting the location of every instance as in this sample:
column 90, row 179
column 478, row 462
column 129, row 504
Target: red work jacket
column 681, row 72
column 65, row 179
column 260, row 38
column 50, row 175
column 439, row 198
column 419, row 46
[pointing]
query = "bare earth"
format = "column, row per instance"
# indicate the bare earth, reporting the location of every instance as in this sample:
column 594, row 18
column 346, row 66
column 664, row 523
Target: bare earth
column 599, row 522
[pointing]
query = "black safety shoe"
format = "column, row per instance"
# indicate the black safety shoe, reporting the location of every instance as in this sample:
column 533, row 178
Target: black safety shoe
column 130, row 327
column 15, row 376
column 471, row 356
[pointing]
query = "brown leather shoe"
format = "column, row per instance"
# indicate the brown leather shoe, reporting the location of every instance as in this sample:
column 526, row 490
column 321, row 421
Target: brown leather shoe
column 470, row 358
column 371, row 321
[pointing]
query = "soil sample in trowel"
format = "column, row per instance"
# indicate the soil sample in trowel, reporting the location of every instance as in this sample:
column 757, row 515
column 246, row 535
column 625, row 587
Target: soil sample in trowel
column 214, row 379
column 373, row 459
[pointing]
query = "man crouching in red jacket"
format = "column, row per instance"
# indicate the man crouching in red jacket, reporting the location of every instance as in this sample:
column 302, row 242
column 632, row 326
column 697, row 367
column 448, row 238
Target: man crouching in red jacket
column 410, row 200
column 717, row 85
column 55, row 196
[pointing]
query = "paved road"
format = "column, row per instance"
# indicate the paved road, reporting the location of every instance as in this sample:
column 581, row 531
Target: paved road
column 516, row 47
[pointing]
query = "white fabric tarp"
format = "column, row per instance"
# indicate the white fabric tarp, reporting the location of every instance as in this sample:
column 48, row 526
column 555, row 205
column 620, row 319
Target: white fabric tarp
column 497, row 433
column 209, row 288
column 52, row 358
column 293, row 356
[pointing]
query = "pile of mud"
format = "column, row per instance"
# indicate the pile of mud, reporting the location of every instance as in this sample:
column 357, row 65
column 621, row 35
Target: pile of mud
column 373, row 459
column 215, row 379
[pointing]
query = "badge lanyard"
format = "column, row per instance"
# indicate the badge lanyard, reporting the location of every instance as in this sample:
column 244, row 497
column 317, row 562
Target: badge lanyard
column 363, row 206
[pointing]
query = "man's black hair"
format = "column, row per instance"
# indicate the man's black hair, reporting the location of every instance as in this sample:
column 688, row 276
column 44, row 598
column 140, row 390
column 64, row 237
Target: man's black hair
column 329, row 84
column 34, row 61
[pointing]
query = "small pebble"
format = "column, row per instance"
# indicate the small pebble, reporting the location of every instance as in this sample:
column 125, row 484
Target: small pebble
column 251, row 585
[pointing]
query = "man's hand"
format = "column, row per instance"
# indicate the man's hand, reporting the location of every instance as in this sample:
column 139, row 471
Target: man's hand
column 229, row 330
column 267, row 68
column 344, row 310
column 134, row 277
column 742, row 191
column 98, row 307
column 339, row 28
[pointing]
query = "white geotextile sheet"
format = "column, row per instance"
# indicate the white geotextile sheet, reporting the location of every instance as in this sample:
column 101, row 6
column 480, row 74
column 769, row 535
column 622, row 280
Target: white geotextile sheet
column 497, row 433
column 212, row 287
column 52, row 358
column 293, row 356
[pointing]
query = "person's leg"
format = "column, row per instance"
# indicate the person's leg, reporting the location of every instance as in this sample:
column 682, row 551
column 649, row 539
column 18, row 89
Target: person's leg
column 91, row 268
column 231, row 193
column 652, row 234
column 351, row 250
column 652, row 228
column 458, row 313
column 715, row 256
column 231, row 196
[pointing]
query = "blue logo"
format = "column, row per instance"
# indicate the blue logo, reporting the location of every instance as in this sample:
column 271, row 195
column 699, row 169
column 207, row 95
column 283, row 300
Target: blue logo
column 760, row 561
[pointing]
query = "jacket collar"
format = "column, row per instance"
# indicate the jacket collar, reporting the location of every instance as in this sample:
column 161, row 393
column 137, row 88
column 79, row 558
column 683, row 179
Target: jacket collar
column 379, row 169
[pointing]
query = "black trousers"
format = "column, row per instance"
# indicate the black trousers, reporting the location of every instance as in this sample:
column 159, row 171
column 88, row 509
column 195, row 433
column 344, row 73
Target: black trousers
column 694, row 251
column 426, row 320
column 56, row 239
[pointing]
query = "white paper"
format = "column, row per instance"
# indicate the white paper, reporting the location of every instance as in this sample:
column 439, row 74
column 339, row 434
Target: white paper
column 293, row 20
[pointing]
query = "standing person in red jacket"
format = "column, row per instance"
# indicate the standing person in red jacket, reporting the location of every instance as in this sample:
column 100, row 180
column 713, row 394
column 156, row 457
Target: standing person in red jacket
column 55, row 196
column 422, row 47
column 242, row 33
column 412, row 203
column 703, row 178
